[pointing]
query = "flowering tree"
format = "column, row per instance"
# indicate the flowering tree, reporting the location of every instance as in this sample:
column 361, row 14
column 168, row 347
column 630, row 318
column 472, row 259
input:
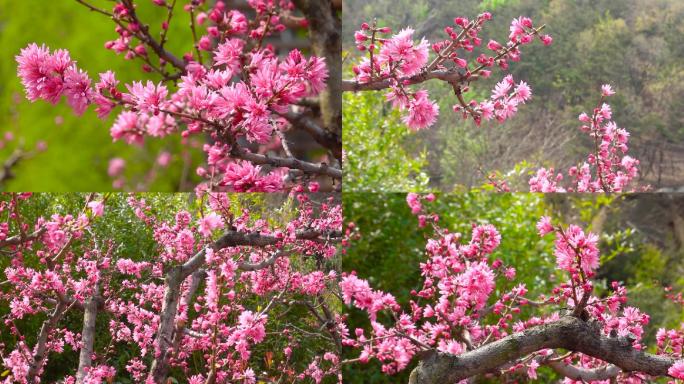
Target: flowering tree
column 398, row 62
column 234, row 87
column 461, row 325
column 220, row 284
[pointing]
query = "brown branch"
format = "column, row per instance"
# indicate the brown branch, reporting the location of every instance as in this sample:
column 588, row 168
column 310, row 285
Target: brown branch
column 292, row 163
column 569, row 333
column 11, row 162
column 18, row 239
column 451, row 76
column 249, row 267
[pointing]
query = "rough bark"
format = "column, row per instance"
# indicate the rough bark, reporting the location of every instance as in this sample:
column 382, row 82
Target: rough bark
column 160, row 366
column 324, row 137
column 325, row 28
column 39, row 352
column 568, row 333
column 88, row 335
column 575, row 373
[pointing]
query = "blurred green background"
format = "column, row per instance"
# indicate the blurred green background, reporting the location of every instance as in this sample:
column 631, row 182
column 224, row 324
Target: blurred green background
column 641, row 242
column 79, row 149
column 635, row 45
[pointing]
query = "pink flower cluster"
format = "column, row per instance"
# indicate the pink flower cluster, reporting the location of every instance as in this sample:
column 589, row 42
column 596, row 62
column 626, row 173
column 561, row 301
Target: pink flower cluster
column 400, row 62
column 575, row 251
column 607, row 169
column 503, row 103
column 48, row 76
column 241, row 96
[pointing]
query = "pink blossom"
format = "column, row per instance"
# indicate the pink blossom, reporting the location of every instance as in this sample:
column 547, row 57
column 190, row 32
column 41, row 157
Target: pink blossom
column 532, row 369
column 523, row 92
column 228, row 53
column 544, row 226
column 677, row 369
column 116, row 166
column 422, row 112
column 574, row 240
column 209, row 223
column 607, row 90
column 148, row 97
column 77, row 89
column 164, row 159
column 127, row 128
column 413, row 200
column 400, row 48
column 244, row 177
column 97, row 207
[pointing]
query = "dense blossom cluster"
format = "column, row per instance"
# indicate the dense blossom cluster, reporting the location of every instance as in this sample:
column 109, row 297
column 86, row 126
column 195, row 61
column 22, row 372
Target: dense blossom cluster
column 237, row 271
column 240, row 97
column 398, row 61
column 607, row 169
column 457, row 311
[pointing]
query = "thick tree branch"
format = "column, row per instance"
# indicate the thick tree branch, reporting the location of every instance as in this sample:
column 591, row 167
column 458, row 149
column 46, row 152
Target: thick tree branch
column 18, row 239
column 584, row 374
column 569, row 333
column 88, row 335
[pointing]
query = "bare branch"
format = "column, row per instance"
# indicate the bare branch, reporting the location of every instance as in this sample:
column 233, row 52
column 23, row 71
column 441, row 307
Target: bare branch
column 18, row 239
column 451, row 76
column 39, row 350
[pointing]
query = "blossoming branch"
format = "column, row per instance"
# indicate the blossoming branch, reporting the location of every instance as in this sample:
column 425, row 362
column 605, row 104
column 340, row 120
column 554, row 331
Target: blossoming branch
column 235, row 88
column 398, row 62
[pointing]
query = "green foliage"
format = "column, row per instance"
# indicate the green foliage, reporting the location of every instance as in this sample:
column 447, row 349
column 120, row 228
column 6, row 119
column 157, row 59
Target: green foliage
column 80, row 147
column 490, row 5
column 375, row 158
